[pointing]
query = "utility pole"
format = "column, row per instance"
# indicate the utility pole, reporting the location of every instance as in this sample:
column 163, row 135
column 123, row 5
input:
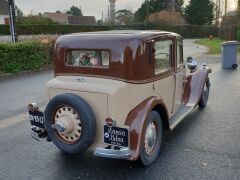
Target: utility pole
column 226, row 6
column 12, row 15
column 108, row 15
column 147, row 7
column 173, row 5
column 102, row 16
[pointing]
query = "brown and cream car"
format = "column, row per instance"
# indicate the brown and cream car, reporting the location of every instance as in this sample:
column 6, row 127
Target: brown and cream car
column 117, row 93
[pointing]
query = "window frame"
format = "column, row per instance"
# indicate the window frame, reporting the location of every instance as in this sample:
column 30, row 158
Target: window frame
column 172, row 64
column 179, row 44
column 83, row 49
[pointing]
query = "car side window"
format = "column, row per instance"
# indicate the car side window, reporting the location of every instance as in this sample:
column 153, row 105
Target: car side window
column 163, row 55
column 179, row 53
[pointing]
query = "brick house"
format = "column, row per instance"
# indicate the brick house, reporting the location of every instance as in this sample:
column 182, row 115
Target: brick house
column 82, row 20
column 4, row 12
column 57, row 17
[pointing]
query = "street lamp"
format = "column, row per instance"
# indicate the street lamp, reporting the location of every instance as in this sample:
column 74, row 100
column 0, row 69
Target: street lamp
column 12, row 15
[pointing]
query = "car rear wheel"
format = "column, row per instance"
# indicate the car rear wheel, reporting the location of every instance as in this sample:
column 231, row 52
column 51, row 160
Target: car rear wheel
column 70, row 123
column 152, row 139
column 205, row 94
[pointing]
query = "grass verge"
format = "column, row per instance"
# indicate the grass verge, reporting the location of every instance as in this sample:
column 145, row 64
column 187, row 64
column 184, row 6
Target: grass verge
column 213, row 45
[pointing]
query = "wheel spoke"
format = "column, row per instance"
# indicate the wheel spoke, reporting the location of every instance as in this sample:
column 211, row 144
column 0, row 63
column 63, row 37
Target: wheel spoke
column 70, row 118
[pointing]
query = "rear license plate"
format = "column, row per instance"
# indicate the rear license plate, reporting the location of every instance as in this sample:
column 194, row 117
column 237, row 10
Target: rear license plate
column 116, row 136
column 36, row 118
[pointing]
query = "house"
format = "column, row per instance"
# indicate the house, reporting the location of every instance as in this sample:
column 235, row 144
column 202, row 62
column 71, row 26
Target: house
column 3, row 12
column 61, row 18
column 82, row 20
column 231, row 18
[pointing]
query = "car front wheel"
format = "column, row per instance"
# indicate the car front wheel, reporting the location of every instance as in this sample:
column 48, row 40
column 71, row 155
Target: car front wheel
column 205, row 94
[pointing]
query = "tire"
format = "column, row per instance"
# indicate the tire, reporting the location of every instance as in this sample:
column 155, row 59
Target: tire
column 85, row 127
column 205, row 94
column 148, row 157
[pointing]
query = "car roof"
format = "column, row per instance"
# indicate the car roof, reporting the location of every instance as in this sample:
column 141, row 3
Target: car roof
column 115, row 34
column 129, row 53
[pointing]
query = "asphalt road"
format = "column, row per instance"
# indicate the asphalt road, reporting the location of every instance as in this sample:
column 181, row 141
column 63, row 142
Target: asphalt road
column 203, row 146
column 17, row 92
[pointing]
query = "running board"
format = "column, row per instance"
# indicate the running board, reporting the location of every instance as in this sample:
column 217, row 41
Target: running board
column 182, row 112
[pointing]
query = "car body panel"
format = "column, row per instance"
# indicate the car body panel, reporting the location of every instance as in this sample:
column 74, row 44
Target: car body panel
column 128, row 89
column 193, row 86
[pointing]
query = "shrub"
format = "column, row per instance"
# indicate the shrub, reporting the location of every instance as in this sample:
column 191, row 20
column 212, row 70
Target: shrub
column 238, row 33
column 24, row 56
column 52, row 29
column 35, row 20
column 168, row 17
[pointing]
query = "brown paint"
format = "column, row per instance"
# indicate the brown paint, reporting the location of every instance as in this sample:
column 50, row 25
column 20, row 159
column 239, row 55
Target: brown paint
column 193, row 86
column 136, row 121
column 130, row 53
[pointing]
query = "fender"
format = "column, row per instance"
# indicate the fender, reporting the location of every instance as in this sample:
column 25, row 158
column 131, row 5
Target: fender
column 193, row 86
column 136, row 120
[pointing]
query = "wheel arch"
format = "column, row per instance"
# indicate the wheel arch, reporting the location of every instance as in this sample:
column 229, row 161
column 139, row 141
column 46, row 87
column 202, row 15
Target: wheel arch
column 136, row 120
column 194, row 86
column 162, row 111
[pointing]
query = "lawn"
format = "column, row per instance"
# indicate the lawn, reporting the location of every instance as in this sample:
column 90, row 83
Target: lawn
column 213, row 45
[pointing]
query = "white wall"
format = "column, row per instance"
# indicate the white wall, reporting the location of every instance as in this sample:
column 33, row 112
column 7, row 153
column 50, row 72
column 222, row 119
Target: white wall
column 2, row 18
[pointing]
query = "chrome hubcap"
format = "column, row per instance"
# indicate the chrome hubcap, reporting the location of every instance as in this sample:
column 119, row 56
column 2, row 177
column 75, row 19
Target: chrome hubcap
column 68, row 124
column 150, row 138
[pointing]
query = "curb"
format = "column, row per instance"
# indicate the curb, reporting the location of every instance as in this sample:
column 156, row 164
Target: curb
column 24, row 73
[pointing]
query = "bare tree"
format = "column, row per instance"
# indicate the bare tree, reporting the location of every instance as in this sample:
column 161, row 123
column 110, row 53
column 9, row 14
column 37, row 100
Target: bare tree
column 217, row 11
column 238, row 7
column 226, row 6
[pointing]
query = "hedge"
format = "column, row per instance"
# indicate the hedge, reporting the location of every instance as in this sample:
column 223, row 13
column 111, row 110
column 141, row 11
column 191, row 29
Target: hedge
column 238, row 33
column 187, row 31
column 228, row 32
column 51, row 29
column 24, row 56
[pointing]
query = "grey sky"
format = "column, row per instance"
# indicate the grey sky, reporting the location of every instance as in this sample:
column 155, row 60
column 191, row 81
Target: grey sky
column 89, row 7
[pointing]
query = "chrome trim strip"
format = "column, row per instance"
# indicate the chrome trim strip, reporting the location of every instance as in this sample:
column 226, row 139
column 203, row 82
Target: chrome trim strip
column 123, row 153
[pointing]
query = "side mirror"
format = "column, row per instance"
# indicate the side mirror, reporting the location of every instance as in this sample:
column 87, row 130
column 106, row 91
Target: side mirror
column 192, row 63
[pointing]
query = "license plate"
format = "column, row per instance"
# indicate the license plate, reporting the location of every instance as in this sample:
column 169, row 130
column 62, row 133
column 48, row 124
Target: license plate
column 116, row 136
column 36, row 118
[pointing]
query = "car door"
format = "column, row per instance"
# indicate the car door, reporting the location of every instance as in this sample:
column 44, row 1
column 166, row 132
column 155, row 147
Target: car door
column 180, row 73
column 164, row 79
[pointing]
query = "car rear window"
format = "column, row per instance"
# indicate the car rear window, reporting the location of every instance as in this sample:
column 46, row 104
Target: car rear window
column 88, row 58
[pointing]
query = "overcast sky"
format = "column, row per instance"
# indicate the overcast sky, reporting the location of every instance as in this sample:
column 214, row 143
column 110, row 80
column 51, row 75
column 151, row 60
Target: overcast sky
column 89, row 7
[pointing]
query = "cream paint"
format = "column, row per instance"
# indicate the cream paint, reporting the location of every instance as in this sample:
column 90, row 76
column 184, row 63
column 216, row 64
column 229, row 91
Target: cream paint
column 165, row 89
column 109, row 98
column 2, row 21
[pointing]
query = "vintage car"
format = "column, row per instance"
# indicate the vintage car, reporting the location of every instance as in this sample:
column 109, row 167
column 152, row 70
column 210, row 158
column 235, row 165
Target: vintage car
column 117, row 93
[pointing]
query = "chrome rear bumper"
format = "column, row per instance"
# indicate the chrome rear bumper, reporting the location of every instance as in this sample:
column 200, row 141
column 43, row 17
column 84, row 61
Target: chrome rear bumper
column 123, row 153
